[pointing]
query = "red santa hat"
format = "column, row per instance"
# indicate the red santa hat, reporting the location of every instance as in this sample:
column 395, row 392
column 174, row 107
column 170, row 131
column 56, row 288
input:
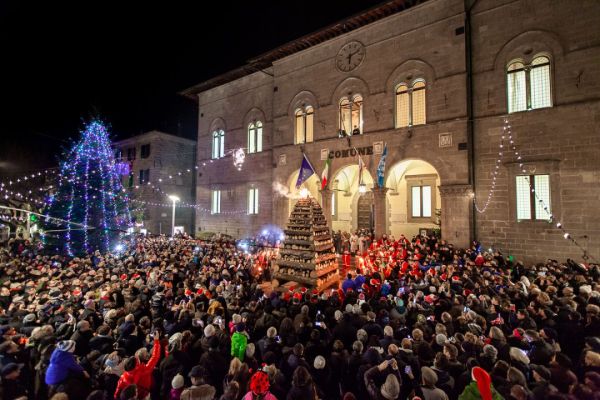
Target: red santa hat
column 298, row 296
column 200, row 291
column 303, row 290
column 123, row 277
column 484, row 382
column 188, row 292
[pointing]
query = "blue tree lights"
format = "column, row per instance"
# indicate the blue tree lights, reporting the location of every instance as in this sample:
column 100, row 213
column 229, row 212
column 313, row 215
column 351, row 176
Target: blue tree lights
column 89, row 196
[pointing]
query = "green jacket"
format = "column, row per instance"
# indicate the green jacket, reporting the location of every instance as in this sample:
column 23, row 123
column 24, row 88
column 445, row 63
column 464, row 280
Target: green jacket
column 471, row 392
column 239, row 341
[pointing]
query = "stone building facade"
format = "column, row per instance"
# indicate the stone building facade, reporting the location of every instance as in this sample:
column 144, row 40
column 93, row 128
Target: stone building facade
column 429, row 80
column 159, row 165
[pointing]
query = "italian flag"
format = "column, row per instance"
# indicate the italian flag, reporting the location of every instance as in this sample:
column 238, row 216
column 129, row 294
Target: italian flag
column 325, row 174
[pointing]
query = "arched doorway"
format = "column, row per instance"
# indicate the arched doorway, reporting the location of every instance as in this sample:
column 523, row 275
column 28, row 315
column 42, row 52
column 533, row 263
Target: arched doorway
column 351, row 203
column 413, row 198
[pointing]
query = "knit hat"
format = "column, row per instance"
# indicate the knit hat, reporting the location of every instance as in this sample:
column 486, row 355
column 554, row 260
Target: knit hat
column 391, row 387
column 259, row 382
column 541, row 371
column 209, row 330
column 490, row 351
column 484, row 383
column 177, row 382
column 440, row 339
column 319, row 362
column 338, row 315
column 429, row 376
column 518, row 355
column 66, row 345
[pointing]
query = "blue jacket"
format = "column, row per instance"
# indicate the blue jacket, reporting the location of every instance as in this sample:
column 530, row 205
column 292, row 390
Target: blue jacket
column 62, row 364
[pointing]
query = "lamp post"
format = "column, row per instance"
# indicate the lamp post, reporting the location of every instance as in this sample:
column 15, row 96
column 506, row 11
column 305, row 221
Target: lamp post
column 174, row 199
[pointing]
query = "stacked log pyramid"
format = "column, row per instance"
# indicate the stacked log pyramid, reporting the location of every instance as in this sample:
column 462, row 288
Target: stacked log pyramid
column 307, row 255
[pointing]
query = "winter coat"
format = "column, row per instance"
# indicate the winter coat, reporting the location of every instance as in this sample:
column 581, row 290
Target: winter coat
column 471, row 392
column 82, row 340
column 104, row 344
column 267, row 396
column 62, row 365
column 304, row 392
column 239, row 341
column 141, row 375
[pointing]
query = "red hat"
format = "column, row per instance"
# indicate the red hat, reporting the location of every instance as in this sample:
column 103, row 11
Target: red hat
column 303, row 290
column 123, row 277
column 315, row 292
column 286, row 296
column 188, row 292
column 199, row 291
column 456, row 278
column 76, row 292
column 517, row 334
column 298, row 296
column 484, row 383
column 444, row 276
column 135, row 276
column 259, row 382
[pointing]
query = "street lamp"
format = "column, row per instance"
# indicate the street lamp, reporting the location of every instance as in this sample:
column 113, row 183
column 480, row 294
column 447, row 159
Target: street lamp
column 174, row 199
column 362, row 188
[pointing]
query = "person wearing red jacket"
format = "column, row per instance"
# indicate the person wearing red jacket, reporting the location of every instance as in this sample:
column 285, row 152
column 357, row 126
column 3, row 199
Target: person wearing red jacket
column 139, row 372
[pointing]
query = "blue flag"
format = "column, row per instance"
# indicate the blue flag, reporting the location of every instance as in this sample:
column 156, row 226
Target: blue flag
column 381, row 168
column 306, row 171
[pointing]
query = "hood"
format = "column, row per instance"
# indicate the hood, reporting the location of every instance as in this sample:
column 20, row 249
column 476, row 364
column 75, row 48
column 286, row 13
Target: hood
column 59, row 356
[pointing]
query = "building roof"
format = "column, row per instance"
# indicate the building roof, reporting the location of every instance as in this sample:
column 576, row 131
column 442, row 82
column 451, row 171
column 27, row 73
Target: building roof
column 265, row 60
column 153, row 135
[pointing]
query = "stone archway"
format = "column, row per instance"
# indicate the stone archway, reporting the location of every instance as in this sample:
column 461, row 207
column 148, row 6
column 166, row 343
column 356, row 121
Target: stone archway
column 347, row 196
column 413, row 200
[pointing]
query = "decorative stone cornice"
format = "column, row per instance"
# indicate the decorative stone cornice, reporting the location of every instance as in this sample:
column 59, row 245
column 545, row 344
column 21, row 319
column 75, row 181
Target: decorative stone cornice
column 455, row 190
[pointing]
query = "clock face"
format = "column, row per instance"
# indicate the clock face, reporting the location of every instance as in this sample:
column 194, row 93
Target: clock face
column 350, row 56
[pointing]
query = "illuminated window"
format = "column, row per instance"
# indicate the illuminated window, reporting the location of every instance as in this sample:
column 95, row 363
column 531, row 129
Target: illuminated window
column 533, row 197
column 218, row 144
column 410, row 104
column 255, row 130
column 333, row 204
column 304, row 125
column 528, row 86
column 421, row 201
column 253, row 201
column 215, row 204
column 351, row 120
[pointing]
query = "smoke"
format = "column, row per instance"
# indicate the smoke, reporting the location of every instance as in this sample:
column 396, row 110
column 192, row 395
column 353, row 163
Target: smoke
column 284, row 191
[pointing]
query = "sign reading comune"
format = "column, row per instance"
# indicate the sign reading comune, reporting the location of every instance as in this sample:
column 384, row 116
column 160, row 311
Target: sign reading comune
column 363, row 151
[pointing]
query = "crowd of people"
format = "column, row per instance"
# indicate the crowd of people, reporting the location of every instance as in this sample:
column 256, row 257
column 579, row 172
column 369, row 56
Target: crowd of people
column 187, row 319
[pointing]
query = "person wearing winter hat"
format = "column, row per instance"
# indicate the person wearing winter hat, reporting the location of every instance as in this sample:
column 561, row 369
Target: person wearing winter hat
column 140, row 373
column 64, row 369
column 480, row 388
column 176, row 387
column 428, row 390
column 388, row 372
column 390, row 390
column 259, row 387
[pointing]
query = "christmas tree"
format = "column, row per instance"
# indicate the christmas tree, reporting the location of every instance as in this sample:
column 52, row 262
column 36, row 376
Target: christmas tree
column 89, row 197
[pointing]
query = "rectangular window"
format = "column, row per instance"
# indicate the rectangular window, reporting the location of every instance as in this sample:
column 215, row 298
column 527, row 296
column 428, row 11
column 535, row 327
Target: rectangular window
column 517, row 94
column 333, row 204
column 533, row 204
column 144, row 176
column 299, row 128
column 402, row 109
column 418, row 107
column 145, row 151
column 309, row 127
column 130, row 180
column 253, row 201
column 215, row 204
column 540, row 86
column 131, row 154
column 421, row 201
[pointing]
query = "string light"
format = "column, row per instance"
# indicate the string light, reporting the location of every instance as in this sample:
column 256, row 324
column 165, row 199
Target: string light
column 551, row 218
column 88, row 194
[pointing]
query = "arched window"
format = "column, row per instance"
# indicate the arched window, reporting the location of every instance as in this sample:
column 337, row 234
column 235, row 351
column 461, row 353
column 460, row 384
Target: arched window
column 410, row 104
column 351, row 121
column 304, row 124
column 528, row 85
column 218, row 144
column 255, row 130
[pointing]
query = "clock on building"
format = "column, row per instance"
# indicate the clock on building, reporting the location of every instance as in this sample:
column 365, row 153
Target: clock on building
column 350, row 56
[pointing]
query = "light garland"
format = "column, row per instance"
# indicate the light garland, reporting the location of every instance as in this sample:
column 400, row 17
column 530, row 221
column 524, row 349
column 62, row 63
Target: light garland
column 552, row 219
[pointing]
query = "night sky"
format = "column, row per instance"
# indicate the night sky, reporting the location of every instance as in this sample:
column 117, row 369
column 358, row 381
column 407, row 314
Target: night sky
column 62, row 64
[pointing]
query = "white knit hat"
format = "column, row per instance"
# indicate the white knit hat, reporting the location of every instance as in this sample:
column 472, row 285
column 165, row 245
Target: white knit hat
column 177, row 382
column 319, row 362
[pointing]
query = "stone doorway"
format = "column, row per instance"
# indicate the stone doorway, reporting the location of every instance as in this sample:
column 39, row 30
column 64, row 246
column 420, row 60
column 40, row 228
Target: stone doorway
column 365, row 211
